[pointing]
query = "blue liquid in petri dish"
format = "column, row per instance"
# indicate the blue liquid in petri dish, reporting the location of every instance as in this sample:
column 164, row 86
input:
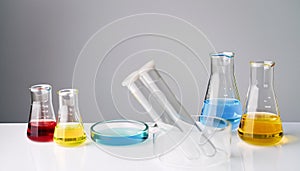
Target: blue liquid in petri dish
column 229, row 109
column 120, row 136
column 119, row 133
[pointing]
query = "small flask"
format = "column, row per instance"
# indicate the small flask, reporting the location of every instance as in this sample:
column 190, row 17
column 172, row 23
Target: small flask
column 222, row 97
column 41, row 122
column 69, row 129
column 261, row 123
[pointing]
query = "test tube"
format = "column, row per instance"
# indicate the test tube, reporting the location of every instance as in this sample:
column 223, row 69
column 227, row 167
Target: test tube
column 174, row 122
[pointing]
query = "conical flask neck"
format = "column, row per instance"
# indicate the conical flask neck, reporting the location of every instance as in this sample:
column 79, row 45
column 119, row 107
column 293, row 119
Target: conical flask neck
column 68, row 106
column 41, row 93
column 262, row 73
column 222, row 63
column 41, row 102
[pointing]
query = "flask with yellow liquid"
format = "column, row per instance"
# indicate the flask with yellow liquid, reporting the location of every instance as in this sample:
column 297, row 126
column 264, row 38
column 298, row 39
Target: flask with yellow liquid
column 69, row 129
column 261, row 124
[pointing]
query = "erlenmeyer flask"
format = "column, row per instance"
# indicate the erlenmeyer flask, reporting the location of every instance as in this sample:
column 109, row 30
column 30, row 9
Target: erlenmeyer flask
column 261, row 123
column 69, row 130
column 222, row 97
column 41, row 122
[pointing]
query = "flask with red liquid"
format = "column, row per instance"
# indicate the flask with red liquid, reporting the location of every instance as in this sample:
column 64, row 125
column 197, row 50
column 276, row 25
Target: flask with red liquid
column 42, row 121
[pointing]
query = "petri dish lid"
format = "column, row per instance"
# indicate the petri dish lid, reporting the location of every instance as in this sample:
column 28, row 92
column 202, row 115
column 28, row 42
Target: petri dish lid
column 119, row 132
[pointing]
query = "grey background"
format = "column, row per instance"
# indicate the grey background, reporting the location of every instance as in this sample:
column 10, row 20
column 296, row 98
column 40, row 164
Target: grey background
column 41, row 40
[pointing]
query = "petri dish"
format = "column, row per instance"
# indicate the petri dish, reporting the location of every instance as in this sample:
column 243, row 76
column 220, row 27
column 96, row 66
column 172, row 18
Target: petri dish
column 119, row 132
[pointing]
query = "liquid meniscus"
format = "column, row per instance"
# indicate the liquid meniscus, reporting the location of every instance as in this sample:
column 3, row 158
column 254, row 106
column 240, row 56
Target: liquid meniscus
column 41, row 131
column 69, row 134
column 261, row 128
column 227, row 108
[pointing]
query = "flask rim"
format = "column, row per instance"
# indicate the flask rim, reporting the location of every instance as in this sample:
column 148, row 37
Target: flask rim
column 67, row 91
column 262, row 63
column 227, row 54
column 41, row 88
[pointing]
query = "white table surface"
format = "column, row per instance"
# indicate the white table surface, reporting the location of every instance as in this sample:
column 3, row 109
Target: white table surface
column 19, row 153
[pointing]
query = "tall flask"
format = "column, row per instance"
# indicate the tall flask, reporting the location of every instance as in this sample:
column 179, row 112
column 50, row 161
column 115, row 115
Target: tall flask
column 222, row 97
column 69, row 130
column 42, row 121
column 261, row 123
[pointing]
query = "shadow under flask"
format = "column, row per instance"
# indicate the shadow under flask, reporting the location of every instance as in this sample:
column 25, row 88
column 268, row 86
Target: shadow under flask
column 222, row 97
column 69, row 130
column 261, row 123
column 42, row 121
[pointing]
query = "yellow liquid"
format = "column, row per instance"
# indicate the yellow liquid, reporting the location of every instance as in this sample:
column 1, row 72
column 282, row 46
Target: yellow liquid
column 69, row 134
column 260, row 128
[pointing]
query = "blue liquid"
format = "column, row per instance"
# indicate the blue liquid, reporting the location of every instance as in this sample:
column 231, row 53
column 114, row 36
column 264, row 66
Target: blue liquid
column 213, row 122
column 120, row 136
column 229, row 109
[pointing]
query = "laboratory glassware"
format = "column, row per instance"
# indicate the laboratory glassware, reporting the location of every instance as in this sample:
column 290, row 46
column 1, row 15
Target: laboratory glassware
column 171, row 118
column 218, row 131
column 69, row 130
column 119, row 132
column 222, row 97
column 42, row 121
column 261, row 123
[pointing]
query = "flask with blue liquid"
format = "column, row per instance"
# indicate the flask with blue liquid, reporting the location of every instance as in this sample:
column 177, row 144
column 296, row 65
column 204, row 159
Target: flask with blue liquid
column 222, row 97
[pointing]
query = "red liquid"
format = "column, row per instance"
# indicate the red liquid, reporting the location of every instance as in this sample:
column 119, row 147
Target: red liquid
column 41, row 131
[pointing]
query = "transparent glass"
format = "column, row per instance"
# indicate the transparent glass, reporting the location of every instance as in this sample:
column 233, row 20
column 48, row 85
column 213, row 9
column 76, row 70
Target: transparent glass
column 69, row 130
column 261, row 123
column 172, row 120
column 42, row 118
column 222, row 97
column 218, row 131
column 119, row 132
